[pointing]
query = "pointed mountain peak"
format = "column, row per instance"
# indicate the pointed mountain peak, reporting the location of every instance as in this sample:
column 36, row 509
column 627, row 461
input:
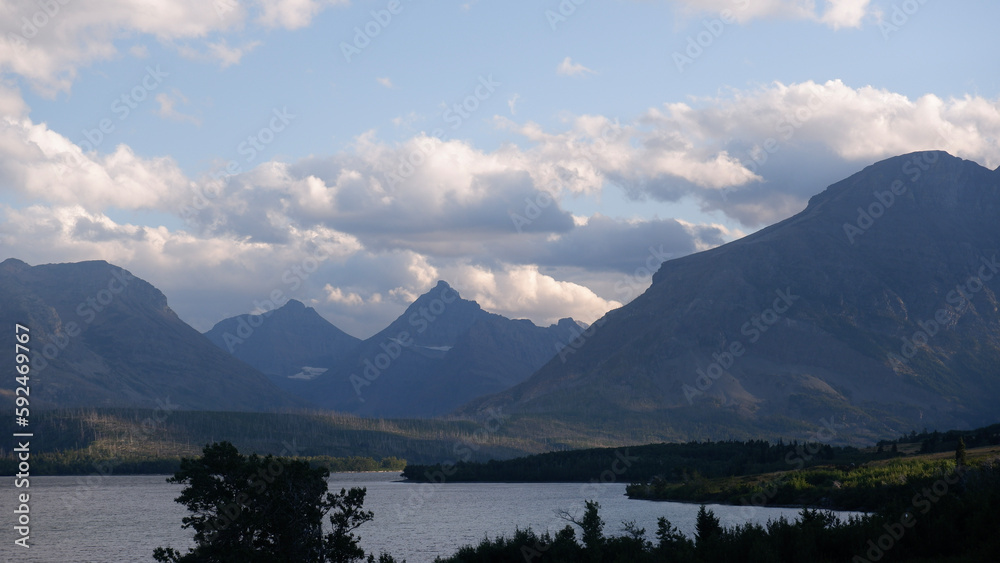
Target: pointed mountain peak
column 440, row 290
column 294, row 305
column 442, row 285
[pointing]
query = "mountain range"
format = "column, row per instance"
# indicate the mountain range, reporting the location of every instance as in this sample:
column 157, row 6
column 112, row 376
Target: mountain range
column 442, row 352
column 100, row 336
column 872, row 311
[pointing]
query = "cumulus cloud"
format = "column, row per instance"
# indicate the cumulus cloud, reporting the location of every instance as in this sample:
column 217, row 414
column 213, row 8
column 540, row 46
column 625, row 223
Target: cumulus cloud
column 48, row 49
column 521, row 291
column 362, row 232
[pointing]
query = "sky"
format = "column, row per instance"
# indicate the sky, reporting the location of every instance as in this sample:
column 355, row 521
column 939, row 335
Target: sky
column 542, row 157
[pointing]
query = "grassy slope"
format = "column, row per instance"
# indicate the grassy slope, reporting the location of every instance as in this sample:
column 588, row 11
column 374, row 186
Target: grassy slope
column 863, row 487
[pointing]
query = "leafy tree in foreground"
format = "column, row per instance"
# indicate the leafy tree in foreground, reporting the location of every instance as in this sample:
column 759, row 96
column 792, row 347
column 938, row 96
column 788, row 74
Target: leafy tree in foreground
column 252, row 509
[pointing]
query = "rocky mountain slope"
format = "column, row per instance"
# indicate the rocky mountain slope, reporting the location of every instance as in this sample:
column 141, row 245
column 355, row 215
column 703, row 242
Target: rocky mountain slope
column 286, row 342
column 103, row 337
column 873, row 311
column 440, row 353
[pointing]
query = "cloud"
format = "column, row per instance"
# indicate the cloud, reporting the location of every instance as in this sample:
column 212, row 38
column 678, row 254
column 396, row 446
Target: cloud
column 846, row 13
column 386, row 81
column 568, row 68
column 41, row 165
column 524, row 292
column 48, row 56
column 756, row 154
column 396, row 217
column 228, row 56
column 512, row 102
column 293, row 14
column 837, row 13
column 219, row 51
column 167, row 110
column 337, row 295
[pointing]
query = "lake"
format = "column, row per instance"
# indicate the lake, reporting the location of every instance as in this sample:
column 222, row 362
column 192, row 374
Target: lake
column 122, row 518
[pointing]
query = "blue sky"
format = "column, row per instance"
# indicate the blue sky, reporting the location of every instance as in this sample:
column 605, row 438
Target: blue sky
column 641, row 123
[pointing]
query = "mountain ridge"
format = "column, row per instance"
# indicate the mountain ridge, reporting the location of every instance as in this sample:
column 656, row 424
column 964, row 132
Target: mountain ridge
column 101, row 336
column 869, row 259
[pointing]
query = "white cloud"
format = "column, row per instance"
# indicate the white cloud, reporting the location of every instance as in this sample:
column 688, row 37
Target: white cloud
column 837, row 13
column 337, row 295
column 568, row 68
column 512, row 103
column 45, row 166
column 79, row 33
column 385, row 81
column 846, row 13
column 293, row 14
column 400, row 216
column 228, row 56
column 167, row 110
column 523, row 292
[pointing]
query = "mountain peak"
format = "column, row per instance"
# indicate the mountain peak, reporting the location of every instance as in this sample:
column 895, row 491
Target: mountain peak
column 833, row 310
column 294, row 305
column 13, row 265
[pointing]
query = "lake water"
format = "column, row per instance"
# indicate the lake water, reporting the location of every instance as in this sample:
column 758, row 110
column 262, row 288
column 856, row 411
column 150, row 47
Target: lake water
column 122, row 518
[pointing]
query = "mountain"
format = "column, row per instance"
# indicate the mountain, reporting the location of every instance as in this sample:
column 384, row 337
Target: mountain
column 440, row 353
column 874, row 311
column 286, row 342
column 100, row 336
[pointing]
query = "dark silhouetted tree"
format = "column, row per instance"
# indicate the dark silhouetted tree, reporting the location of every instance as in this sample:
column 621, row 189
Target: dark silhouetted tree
column 249, row 509
column 706, row 525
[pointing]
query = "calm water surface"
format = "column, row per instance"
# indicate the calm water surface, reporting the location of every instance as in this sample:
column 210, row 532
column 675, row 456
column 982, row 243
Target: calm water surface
column 122, row 518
